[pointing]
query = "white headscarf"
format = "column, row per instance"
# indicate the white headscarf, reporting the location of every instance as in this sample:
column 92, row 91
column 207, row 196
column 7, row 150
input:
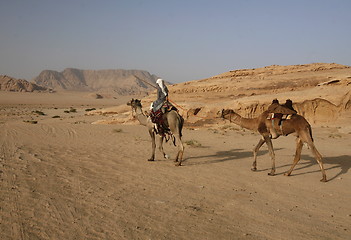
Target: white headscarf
column 161, row 83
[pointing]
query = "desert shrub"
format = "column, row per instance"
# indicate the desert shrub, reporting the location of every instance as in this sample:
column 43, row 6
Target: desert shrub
column 193, row 143
column 30, row 121
column 39, row 113
column 71, row 110
column 117, row 130
column 335, row 135
column 79, row 122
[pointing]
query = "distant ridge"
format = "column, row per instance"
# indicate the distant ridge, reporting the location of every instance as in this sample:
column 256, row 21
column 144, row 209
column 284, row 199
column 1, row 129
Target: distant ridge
column 113, row 81
column 321, row 92
column 11, row 84
column 265, row 80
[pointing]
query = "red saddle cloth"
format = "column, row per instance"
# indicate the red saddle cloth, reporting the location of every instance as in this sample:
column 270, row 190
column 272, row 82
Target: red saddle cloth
column 157, row 117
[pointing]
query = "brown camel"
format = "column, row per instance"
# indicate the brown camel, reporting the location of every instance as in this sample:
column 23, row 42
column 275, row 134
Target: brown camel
column 172, row 120
column 295, row 124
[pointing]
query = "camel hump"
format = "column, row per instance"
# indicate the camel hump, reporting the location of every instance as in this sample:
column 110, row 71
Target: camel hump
column 283, row 110
column 286, row 108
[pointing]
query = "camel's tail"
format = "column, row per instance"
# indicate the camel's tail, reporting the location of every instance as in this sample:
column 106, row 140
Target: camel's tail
column 181, row 123
column 310, row 131
column 180, row 128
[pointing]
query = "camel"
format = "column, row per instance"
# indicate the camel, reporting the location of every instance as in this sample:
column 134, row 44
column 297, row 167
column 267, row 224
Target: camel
column 296, row 124
column 173, row 121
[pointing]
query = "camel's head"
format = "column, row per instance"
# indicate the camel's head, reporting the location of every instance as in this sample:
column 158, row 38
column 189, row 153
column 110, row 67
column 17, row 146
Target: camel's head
column 225, row 113
column 134, row 103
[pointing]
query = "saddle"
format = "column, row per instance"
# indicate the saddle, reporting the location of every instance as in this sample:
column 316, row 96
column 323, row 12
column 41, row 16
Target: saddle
column 158, row 118
column 279, row 116
column 280, row 113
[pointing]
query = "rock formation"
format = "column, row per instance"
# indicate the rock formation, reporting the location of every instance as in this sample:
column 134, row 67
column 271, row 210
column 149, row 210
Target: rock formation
column 121, row 82
column 18, row 85
column 320, row 92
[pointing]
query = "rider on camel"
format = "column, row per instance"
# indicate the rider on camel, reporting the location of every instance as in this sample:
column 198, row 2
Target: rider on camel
column 157, row 109
column 162, row 95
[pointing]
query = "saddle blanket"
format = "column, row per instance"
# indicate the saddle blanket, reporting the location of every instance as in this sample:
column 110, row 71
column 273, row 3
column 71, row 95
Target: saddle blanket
column 279, row 116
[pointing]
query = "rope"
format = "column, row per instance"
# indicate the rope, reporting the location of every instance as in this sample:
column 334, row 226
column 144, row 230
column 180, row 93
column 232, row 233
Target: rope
column 145, row 82
column 175, row 104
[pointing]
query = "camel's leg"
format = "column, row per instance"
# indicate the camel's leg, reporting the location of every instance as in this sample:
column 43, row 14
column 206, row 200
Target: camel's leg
column 153, row 145
column 299, row 145
column 318, row 157
column 306, row 136
column 271, row 153
column 255, row 151
column 179, row 157
column 160, row 146
column 273, row 132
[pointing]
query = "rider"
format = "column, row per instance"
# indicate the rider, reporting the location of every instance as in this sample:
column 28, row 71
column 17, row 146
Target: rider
column 162, row 95
column 156, row 113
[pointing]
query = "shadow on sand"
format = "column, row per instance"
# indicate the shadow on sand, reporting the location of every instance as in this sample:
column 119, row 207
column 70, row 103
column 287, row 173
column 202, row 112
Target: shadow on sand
column 223, row 156
column 342, row 162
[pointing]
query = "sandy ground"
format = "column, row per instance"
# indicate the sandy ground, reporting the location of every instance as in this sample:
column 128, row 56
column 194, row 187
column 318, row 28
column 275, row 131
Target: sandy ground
column 65, row 178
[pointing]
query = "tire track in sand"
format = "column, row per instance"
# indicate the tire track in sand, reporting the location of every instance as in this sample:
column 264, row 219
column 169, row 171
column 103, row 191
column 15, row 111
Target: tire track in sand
column 9, row 156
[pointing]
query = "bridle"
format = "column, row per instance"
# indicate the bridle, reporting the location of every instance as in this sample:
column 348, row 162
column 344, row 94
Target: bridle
column 230, row 116
column 134, row 107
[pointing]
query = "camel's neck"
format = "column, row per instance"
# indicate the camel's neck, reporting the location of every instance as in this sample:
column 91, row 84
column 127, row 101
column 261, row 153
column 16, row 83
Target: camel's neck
column 140, row 116
column 248, row 123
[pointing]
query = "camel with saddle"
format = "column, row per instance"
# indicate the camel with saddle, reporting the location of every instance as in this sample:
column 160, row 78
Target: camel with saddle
column 278, row 120
column 165, row 124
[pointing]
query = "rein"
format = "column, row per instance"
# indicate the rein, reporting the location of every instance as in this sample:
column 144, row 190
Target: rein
column 230, row 119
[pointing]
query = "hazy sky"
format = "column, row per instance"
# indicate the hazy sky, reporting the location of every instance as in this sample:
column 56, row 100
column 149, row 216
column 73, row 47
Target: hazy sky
column 178, row 40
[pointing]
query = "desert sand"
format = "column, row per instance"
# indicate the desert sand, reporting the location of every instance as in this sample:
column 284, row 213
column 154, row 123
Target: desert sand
column 63, row 177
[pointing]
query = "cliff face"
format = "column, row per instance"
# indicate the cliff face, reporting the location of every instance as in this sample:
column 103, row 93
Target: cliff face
column 266, row 80
column 118, row 81
column 320, row 92
column 18, row 85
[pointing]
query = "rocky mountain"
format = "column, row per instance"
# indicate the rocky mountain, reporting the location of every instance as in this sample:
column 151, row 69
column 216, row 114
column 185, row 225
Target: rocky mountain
column 118, row 81
column 320, row 91
column 266, row 80
column 18, row 85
